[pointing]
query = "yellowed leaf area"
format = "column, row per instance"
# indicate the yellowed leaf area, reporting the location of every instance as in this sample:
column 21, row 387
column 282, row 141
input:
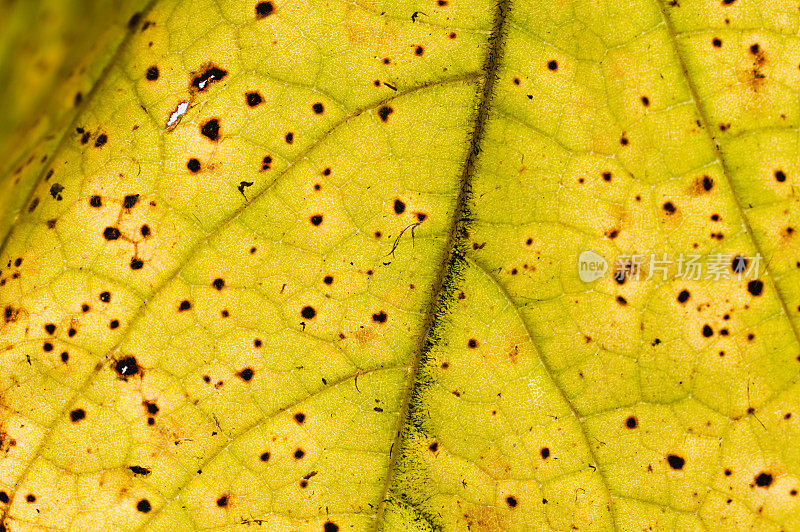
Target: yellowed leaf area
column 312, row 265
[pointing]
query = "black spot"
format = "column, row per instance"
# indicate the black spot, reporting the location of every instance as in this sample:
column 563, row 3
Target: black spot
column 64, row 356
column 780, row 176
column 134, row 20
column 716, row 42
column 144, row 506
column 511, row 501
column 289, row 137
column 675, row 462
column 755, row 49
column 47, row 347
column 300, row 417
column 264, row 9
column 130, row 200
column 50, row 328
column 210, row 75
column 645, row 101
column 218, row 283
column 684, row 296
column 399, row 206
column 266, row 163
column 85, row 137
column 4, row 497
column 384, row 111
column 152, row 73
column 152, row 407
column 111, row 233
column 318, row 108
column 139, row 470
column 145, row 230
column 330, row 526
column 185, row 305
column 127, row 366
column 707, row 331
column 105, row 297
column 380, row 317
column 246, row 374
column 264, row 456
column 55, row 191
column 763, row 480
column 222, row 502
column 739, row 264
column 328, row 279
column 419, row 50
column 77, row 415
column 545, row 452
column 316, row 219
column 668, row 207
column 708, row 183
column 755, row 287
column 621, row 300
column 433, row 447
column 211, row 129
column 299, row 453
column 308, row 312
column 78, row 98
column 631, row 422
column 472, row 343
column 253, row 99
column 193, row 165
column 100, row 141
column 96, row 201
column 552, row 64
column 30, row 498
column 257, row 342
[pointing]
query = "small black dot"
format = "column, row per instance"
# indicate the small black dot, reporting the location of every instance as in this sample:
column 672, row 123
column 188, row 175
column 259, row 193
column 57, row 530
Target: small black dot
column 419, row 50
column 299, row 453
column 105, row 297
column 328, row 279
column 77, row 415
column 222, row 502
column 380, row 317
column 64, row 356
column 4, row 497
column 631, row 422
column 47, row 347
column 185, row 305
column 717, row 42
column 96, row 201
column 316, row 219
column 257, row 342
column 675, row 462
column 50, row 328
column 193, row 165
column 552, row 64
column 218, row 283
column 300, row 417
column 113, row 324
column 330, row 527
column 253, row 99
column 707, row 331
column 684, row 296
column 472, row 343
column 780, row 176
column 318, row 108
column 739, row 264
column 111, row 233
column 399, row 206
column 152, row 73
column 136, row 264
column 511, row 501
column 264, row 9
column 669, row 207
column 130, row 201
column 144, row 506
column 289, row 137
column 708, row 183
column 246, row 374
column 100, row 141
column 308, row 312
column 755, row 49
column 145, row 230
column 30, row 498
column 645, row 101
column 264, row 456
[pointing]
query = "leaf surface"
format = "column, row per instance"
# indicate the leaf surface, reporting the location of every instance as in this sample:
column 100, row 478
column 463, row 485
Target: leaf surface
column 313, row 265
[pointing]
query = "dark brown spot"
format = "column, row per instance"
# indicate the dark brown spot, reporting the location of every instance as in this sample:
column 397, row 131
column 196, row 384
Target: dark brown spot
column 472, row 343
column 379, row 317
column 683, row 296
column 511, row 501
column 631, row 422
column 780, row 176
column 419, row 50
column 111, row 233
column 299, row 453
column 152, row 73
column 77, row 415
column 264, row 456
column 222, row 502
column 544, row 452
column 399, row 206
column 193, row 165
column 264, row 9
column 755, row 287
column 136, row 263
column 668, row 207
column 144, row 506
column 763, row 480
column 209, row 75
column 552, row 65
column 300, row 418
column 218, row 283
column 717, row 42
column 253, row 99
column 100, row 141
column 316, row 219
column 185, row 305
column 127, row 366
column 308, row 312
column 210, row 129
column 327, row 280
column 707, row 331
column 384, row 111
column 318, row 108
column 675, row 462
column 96, row 201
column 246, row 374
